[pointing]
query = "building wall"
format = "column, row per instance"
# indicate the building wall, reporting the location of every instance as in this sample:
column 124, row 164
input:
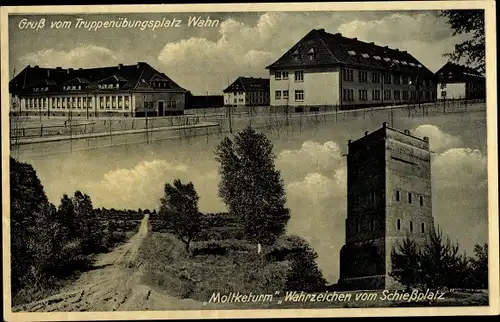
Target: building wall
column 320, row 86
column 94, row 104
column 451, row 91
column 408, row 176
column 235, row 98
column 387, row 82
column 173, row 103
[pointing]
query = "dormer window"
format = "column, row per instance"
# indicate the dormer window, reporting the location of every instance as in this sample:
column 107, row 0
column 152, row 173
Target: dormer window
column 396, row 61
column 412, row 64
column 419, row 65
column 311, row 54
column 351, row 52
column 377, row 57
column 387, row 59
column 296, row 55
column 364, row 55
column 404, row 63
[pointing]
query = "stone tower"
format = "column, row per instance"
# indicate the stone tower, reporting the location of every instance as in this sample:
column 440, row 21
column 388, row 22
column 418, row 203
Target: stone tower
column 388, row 198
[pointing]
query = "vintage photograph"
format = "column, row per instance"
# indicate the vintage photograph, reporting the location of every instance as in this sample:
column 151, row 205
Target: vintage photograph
column 208, row 159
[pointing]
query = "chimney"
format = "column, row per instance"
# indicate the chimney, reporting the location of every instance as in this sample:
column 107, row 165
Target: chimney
column 139, row 65
column 321, row 30
column 349, row 142
column 70, row 70
column 120, row 66
column 384, row 125
column 354, row 38
column 58, row 68
column 426, row 138
column 372, row 43
column 366, row 133
column 36, row 66
column 338, row 34
column 407, row 132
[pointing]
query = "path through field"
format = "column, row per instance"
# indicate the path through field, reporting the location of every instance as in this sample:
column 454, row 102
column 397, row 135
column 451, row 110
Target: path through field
column 113, row 285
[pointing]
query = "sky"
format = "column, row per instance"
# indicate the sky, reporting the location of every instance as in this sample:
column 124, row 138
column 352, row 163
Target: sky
column 208, row 59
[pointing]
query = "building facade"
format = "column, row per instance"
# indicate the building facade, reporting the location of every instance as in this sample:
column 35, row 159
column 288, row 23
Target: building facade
column 389, row 197
column 122, row 90
column 460, row 82
column 247, row 91
column 325, row 69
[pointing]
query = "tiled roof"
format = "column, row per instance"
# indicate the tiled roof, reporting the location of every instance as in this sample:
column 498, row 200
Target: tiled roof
column 320, row 49
column 129, row 75
column 452, row 72
column 248, row 84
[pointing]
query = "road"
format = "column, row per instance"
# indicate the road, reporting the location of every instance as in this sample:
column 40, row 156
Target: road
column 113, row 285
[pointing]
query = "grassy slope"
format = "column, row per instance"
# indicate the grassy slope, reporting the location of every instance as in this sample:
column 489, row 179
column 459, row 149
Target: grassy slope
column 169, row 268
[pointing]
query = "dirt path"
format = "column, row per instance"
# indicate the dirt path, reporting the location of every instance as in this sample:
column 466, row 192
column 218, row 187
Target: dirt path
column 113, row 285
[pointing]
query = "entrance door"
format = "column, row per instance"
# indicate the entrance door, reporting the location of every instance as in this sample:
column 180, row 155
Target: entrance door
column 161, row 110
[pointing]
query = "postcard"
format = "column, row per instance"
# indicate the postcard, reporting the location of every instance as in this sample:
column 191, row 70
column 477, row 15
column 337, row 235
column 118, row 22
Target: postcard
column 249, row 160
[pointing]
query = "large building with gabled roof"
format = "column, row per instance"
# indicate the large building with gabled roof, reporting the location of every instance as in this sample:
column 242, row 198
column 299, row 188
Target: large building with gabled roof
column 457, row 81
column 121, row 90
column 247, row 91
column 324, row 69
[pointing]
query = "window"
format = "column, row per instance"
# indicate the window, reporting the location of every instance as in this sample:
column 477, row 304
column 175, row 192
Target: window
column 285, row 94
column 113, row 102
column 387, row 78
column 348, row 94
column 399, row 224
column 108, row 102
column 421, row 200
column 427, row 95
column 348, row 74
column 84, row 102
column 284, row 75
column 411, row 226
column 79, row 102
column 375, row 77
column 299, row 76
column 397, row 79
column 405, row 80
column 235, row 100
column 126, row 102
column 277, row 95
column 363, row 94
column 387, row 94
column 363, row 76
column 422, row 228
column 73, row 102
column 375, row 94
column 397, row 95
column 58, row 102
column 277, row 75
column 311, row 54
column 409, row 197
column 101, row 102
column 299, row 95
column 397, row 195
column 120, row 102
column 405, row 95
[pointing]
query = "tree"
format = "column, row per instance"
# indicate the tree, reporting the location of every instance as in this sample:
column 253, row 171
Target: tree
column 89, row 229
column 304, row 274
column 406, row 260
column 251, row 187
column 468, row 22
column 480, row 266
column 179, row 210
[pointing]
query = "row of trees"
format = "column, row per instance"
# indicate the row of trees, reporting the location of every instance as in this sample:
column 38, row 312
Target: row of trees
column 48, row 243
column 439, row 264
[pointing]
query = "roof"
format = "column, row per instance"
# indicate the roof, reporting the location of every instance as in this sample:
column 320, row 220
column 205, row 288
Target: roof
column 129, row 76
column 336, row 50
column 248, row 84
column 452, row 72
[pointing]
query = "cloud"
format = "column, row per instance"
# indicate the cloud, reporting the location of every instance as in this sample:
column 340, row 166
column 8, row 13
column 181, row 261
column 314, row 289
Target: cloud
column 439, row 141
column 79, row 57
column 245, row 50
column 311, row 156
column 142, row 185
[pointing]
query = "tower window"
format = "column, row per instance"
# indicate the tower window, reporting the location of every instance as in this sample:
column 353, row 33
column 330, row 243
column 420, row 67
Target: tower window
column 422, row 228
column 421, row 200
column 399, row 224
column 411, row 225
column 409, row 197
column 397, row 195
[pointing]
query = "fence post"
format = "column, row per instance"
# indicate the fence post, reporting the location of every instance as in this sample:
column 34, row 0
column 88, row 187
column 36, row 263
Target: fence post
column 41, row 129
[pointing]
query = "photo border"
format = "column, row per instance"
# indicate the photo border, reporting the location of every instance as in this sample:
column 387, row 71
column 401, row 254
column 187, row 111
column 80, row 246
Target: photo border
column 491, row 116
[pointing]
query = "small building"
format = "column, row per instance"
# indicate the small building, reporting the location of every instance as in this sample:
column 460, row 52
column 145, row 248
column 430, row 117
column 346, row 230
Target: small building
column 121, row 90
column 389, row 197
column 247, row 91
column 460, row 82
column 324, row 69
column 203, row 101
